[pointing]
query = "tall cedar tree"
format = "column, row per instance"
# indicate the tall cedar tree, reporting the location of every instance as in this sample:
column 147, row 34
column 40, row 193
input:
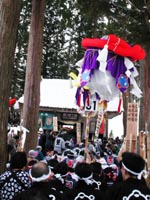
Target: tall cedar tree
column 9, row 19
column 33, row 74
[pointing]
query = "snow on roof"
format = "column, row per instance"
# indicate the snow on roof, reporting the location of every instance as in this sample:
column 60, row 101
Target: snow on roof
column 60, row 93
column 57, row 93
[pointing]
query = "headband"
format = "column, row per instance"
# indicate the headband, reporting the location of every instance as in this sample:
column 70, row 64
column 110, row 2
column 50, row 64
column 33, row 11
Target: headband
column 87, row 179
column 42, row 178
column 60, row 177
column 138, row 174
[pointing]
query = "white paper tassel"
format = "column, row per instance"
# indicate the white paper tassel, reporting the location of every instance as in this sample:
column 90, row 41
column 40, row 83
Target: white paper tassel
column 79, row 63
column 102, row 58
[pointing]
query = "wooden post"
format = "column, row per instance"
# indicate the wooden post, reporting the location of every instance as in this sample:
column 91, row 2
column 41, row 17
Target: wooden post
column 148, row 152
column 87, row 131
column 132, row 119
column 88, row 115
column 142, row 144
column 78, row 130
column 130, row 142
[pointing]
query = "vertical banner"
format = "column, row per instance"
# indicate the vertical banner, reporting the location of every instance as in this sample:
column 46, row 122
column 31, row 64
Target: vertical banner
column 132, row 127
column 99, row 121
column 55, row 124
column 45, row 120
column 78, row 130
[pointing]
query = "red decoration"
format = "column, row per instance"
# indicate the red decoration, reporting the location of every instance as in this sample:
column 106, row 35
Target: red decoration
column 116, row 45
column 102, row 127
column 119, row 106
column 12, row 102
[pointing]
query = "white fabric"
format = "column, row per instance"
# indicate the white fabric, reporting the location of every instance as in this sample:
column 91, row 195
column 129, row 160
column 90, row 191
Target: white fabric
column 60, row 177
column 129, row 65
column 42, row 178
column 102, row 58
column 104, row 84
column 87, row 179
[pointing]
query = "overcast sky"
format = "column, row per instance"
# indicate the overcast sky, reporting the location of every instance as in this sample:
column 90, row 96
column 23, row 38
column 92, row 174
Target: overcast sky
column 116, row 125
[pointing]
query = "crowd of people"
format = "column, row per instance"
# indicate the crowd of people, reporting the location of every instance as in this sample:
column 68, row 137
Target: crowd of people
column 61, row 169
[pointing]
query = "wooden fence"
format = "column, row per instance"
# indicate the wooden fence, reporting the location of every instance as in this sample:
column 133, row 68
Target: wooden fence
column 144, row 147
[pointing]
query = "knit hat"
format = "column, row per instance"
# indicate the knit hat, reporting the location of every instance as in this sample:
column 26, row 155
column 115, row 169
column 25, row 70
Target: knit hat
column 133, row 163
column 32, row 153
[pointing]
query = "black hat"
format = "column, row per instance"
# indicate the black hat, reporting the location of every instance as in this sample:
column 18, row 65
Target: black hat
column 83, row 170
column 96, row 167
column 133, row 163
column 61, row 168
column 52, row 163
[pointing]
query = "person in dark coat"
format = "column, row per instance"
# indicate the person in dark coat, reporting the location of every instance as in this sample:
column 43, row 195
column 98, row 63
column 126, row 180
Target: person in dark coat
column 16, row 179
column 60, row 172
column 99, row 182
column 42, row 140
column 40, row 175
column 83, row 188
column 50, row 138
column 133, row 185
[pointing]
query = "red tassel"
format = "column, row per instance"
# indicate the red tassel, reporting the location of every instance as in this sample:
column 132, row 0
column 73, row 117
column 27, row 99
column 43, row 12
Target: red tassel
column 88, row 100
column 12, row 102
column 78, row 100
column 119, row 106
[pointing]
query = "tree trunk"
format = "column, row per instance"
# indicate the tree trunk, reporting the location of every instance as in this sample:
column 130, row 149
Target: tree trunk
column 142, row 108
column 9, row 19
column 147, row 90
column 33, row 74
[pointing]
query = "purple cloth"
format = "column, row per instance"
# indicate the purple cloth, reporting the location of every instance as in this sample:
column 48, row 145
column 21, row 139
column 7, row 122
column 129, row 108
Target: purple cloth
column 90, row 61
column 89, row 64
column 85, row 94
column 115, row 64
